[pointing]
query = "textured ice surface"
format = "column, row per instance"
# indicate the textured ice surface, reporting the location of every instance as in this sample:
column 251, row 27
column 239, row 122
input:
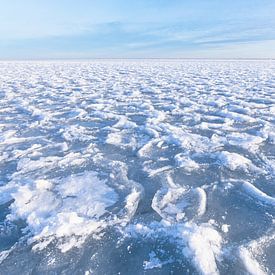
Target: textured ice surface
column 137, row 167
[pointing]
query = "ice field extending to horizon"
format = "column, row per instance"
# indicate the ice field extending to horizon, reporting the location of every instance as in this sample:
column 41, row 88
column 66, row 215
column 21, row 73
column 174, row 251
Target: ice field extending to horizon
column 137, row 167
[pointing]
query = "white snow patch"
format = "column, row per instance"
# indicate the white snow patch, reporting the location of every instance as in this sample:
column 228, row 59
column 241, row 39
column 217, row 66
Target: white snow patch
column 68, row 207
column 201, row 244
column 234, row 161
column 251, row 265
column 246, row 141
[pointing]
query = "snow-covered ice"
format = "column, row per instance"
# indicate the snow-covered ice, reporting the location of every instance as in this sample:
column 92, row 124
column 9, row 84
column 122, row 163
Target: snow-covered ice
column 137, row 167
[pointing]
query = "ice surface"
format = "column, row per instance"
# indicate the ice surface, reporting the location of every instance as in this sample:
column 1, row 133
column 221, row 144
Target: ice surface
column 137, row 167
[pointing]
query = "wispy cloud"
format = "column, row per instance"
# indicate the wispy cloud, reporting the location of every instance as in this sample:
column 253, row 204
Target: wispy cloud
column 124, row 32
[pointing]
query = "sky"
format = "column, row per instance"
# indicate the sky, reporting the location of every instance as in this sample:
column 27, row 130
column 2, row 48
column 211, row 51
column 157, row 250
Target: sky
column 64, row 29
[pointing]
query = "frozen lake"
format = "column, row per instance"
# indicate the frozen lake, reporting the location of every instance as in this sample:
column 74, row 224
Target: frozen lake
column 137, row 167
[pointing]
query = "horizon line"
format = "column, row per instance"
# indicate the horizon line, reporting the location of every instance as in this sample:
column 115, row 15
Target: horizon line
column 134, row 58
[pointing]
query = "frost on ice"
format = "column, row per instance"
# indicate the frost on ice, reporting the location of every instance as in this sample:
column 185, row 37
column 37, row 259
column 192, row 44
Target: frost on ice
column 154, row 166
column 63, row 208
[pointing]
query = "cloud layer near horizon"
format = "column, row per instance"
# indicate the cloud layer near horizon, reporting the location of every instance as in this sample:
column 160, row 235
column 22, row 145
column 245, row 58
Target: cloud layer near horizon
column 93, row 29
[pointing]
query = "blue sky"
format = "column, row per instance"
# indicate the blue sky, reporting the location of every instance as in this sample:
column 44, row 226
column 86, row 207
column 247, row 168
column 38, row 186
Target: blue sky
column 38, row 29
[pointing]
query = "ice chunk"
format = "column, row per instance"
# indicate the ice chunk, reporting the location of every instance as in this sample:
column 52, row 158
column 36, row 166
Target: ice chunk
column 176, row 204
column 184, row 161
column 258, row 194
column 234, row 161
